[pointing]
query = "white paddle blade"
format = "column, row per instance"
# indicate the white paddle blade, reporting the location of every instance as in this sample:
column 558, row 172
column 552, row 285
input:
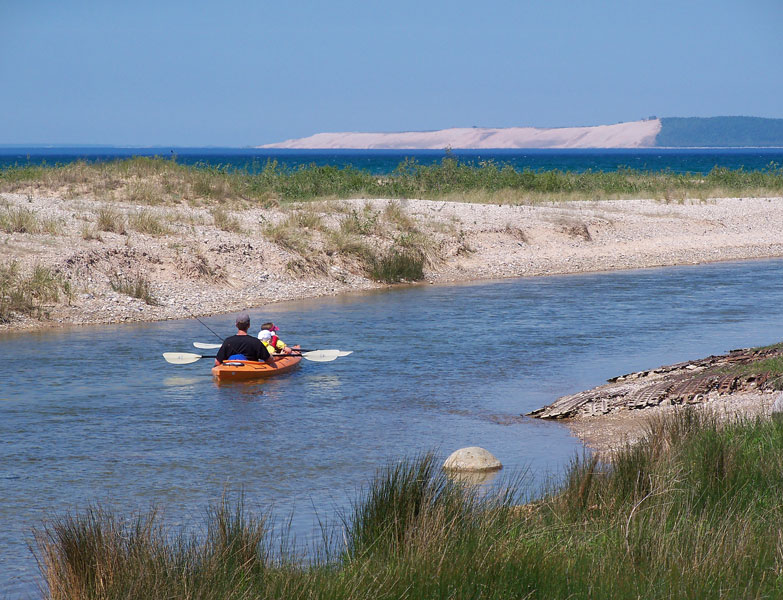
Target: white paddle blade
column 205, row 346
column 181, row 358
column 335, row 352
column 321, row 355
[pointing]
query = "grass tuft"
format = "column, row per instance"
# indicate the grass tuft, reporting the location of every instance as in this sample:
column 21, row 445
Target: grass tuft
column 24, row 220
column 146, row 221
column 111, row 220
column 225, row 220
column 29, row 294
column 396, row 265
column 135, row 286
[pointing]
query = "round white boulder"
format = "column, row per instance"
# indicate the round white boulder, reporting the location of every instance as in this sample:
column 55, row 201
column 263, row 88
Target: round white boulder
column 472, row 459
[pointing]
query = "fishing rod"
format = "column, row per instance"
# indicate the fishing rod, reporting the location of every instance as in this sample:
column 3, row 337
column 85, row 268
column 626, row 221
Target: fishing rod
column 202, row 322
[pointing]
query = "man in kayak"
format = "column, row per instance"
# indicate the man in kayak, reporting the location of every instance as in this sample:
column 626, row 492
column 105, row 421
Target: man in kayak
column 243, row 346
column 271, row 340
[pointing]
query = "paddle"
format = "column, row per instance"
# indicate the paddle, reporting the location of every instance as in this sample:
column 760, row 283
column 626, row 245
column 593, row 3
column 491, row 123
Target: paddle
column 207, row 346
column 185, row 358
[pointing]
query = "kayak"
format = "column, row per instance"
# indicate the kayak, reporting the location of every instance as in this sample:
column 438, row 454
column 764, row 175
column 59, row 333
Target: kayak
column 241, row 370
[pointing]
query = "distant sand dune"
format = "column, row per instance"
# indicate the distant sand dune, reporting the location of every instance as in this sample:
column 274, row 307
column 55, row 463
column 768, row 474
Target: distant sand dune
column 636, row 134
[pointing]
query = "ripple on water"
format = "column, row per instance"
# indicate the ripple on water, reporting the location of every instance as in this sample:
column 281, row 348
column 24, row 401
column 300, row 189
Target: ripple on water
column 433, row 367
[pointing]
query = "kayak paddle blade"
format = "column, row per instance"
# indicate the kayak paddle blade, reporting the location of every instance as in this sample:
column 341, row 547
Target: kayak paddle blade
column 322, row 355
column 180, row 358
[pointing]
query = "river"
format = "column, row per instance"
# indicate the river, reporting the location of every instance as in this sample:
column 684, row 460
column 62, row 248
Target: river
column 94, row 414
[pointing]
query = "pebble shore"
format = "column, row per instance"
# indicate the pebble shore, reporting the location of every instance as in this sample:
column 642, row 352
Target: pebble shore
column 198, row 269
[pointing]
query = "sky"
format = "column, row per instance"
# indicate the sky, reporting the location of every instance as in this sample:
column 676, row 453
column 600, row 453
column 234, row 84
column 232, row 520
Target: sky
column 243, row 73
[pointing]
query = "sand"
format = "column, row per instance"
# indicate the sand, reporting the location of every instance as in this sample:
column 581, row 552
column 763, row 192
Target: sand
column 636, row 134
column 199, row 269
column 612, row 431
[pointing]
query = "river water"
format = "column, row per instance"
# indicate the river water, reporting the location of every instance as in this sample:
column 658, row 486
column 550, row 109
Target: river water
column 94, row 414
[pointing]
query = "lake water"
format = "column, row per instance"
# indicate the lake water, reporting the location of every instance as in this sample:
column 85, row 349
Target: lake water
column 94, row 414
column 382, row 162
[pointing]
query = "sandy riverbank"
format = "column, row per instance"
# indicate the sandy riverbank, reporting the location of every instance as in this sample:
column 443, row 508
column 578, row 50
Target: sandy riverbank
column 742, row 383
column 199, row 265
column 605, row 433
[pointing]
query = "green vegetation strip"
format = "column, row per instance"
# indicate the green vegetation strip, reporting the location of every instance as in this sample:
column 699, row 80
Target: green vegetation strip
column 693, row 511
column 144, row 180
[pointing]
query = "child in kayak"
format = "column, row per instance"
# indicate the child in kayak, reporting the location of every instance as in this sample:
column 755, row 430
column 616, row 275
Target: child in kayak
column 274, row 343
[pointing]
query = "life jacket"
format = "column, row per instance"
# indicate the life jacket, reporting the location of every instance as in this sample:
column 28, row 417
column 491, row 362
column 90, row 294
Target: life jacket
column 274, row 340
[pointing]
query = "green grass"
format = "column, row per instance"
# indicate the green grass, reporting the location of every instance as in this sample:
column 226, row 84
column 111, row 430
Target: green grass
column 225, row 220
column 148, row 222
column 135, row 286
column 23, row 220
column 155, row 180
column 30, row 293
column 111, row 220
column 693, row 511
column 396, row 265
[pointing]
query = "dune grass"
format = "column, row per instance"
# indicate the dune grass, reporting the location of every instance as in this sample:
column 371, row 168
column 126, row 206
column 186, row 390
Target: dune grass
column 29, row 293
column 24, row 220
column 693, row 511
column 110, row 219
column 145, row 221
column 151, row 181
column 135, row 285
column 225, row 220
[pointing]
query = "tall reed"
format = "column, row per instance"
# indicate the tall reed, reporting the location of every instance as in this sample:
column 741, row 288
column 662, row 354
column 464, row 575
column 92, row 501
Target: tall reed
column 693, row 511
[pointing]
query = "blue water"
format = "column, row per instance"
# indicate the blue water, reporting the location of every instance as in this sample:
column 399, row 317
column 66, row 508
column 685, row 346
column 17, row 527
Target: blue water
column 93, row 414
column 385, row 161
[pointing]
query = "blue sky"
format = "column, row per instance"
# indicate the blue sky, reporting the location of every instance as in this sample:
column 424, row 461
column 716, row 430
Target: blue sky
column 240, row 73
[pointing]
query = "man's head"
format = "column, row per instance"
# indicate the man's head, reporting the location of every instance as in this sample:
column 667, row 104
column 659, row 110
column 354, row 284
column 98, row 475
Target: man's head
column 243, row 321
column 269, row 326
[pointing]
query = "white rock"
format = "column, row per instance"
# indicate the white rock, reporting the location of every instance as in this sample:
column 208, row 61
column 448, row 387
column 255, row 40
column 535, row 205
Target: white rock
column 472, row 458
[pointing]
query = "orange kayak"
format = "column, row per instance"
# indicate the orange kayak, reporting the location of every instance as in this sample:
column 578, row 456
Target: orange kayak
column 241, row 370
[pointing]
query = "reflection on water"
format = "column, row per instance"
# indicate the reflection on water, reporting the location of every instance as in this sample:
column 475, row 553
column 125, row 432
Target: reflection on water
column 473, row 477
column 135, row 431
column 183, row 381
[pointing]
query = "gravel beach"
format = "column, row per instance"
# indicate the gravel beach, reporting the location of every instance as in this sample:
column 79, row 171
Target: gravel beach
column 198, row 268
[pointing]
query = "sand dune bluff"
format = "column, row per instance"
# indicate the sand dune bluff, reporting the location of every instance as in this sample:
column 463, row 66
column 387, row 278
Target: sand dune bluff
column 635, row 134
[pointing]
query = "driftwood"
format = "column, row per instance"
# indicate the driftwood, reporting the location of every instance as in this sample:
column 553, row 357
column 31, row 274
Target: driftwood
column 683, row 383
